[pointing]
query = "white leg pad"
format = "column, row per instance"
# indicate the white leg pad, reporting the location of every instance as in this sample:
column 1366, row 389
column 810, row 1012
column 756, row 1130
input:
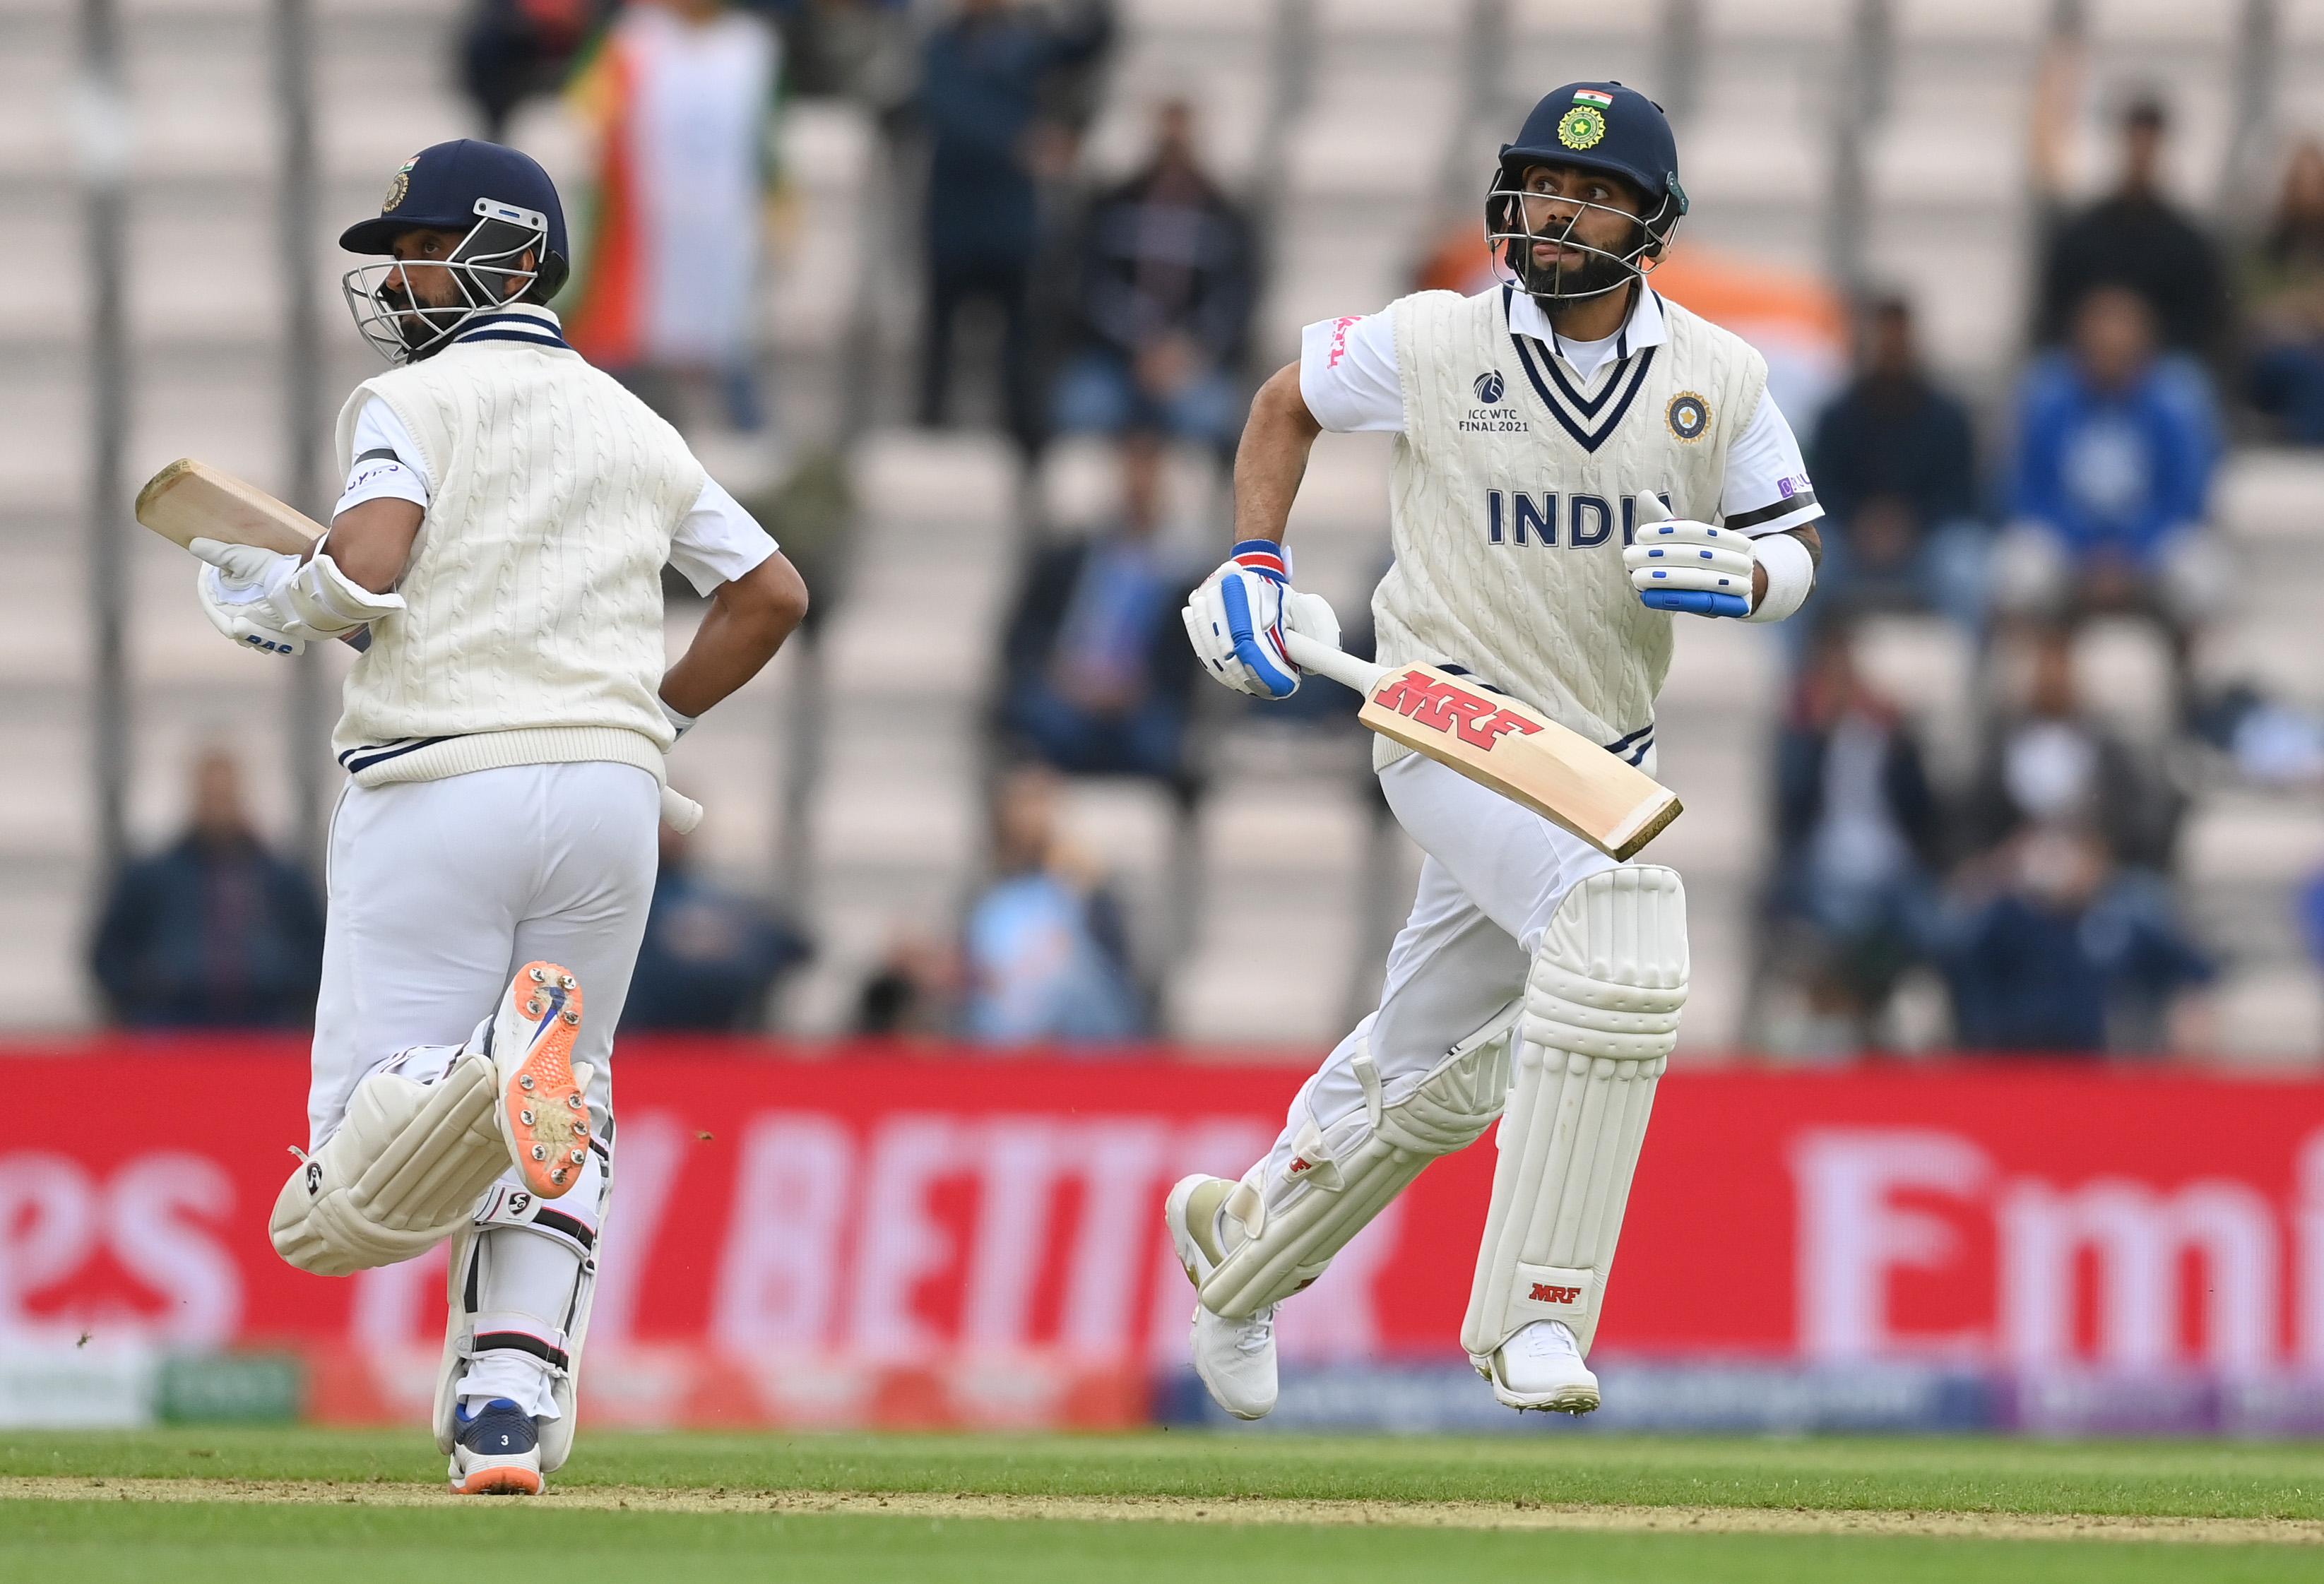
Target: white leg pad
column 1601, row 1012
column 1344, row 1178
column 556, row 1320
column 402, row 1173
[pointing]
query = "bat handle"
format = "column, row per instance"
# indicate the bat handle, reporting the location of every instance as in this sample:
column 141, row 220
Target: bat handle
column 1311, row 654
column 679, row 811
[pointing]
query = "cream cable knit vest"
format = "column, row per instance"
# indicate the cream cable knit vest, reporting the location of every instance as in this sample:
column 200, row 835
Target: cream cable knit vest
column 533, row 631
column 1514, row 489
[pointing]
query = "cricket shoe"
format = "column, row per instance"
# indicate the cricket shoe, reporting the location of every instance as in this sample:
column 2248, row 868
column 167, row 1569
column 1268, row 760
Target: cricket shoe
column 496, row 1452
column 1541, row 1367
column 1234, row 1357
column 544, row 1109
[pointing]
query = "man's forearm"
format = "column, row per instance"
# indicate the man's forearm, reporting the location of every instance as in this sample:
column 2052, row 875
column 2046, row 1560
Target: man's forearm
column 747, row 622
column 371, row 542
column 1273, row 457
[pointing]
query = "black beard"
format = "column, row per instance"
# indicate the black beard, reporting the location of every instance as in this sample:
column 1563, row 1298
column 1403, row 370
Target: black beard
column 413, row 327
column 1598, row 273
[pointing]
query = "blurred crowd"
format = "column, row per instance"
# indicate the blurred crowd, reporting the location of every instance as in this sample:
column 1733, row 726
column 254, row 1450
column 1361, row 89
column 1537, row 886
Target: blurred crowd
column 2026, row 900
column 2020, row 896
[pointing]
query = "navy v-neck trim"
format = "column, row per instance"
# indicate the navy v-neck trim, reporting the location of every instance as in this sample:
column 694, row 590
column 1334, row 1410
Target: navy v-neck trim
column 1588, row 406
column 1625, row 381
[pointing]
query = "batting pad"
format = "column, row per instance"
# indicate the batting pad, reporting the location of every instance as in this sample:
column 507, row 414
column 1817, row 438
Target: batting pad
column 546, row 1319
column 1601, row 1016
column 1339, row 1181
column 402, row 1173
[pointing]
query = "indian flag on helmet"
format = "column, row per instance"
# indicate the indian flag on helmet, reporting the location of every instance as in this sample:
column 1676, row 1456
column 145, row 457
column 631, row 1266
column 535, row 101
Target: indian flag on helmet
column 1583, row 125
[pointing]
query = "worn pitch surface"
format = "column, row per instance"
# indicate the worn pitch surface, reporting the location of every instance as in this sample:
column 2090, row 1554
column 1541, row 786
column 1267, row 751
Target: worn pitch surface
column 245, row 1505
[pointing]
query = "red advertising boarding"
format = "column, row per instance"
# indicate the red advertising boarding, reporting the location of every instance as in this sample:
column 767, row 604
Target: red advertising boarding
column 961, row 1237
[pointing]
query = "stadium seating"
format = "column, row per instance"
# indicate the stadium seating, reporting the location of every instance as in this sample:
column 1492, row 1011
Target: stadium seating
column 1364, row 128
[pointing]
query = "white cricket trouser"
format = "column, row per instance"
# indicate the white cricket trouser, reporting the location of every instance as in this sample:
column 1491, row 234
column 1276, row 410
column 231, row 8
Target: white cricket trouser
column 440, row 892
column 1493, row 875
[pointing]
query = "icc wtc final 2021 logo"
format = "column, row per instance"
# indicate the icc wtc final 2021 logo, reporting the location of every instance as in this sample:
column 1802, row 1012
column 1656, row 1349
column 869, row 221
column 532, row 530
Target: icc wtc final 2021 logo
column 1488, row 417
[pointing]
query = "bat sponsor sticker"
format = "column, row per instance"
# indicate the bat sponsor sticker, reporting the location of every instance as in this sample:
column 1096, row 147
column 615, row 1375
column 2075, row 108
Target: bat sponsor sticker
column 1428, row 701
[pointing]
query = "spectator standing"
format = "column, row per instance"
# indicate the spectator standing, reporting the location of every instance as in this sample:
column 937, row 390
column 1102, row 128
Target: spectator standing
column 682, row 95
column 1098, row 674
column 1042, row 943
column 215, row 931
column 1895, row 466
column 2050, row 761
column 2283, row 297
column 1858, row 838
column 859, row 50
column 983, row 76
column 2071, row 956
column 1166, row 279
column 2116, row 452
column 710, row 956
column 512, row 50
column 2135, row 237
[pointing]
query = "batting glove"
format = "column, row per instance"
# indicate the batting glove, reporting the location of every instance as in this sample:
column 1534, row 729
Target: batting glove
column 1693, row 567
column 279, row 604
column 235, row 586
column 1235, row 621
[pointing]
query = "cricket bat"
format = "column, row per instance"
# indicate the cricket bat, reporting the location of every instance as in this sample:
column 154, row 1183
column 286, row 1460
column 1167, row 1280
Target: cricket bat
column 1504, row 744
column 189, row 499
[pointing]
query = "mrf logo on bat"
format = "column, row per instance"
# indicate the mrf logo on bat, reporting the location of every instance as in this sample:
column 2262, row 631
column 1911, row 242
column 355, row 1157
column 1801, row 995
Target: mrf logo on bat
column 1442, row 706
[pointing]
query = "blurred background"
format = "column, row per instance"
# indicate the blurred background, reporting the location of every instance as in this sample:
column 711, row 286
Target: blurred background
column 966, row 300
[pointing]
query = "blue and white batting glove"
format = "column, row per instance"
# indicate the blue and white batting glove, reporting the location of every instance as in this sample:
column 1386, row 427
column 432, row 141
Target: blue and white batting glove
column 1686, row 566
column 1235, row 621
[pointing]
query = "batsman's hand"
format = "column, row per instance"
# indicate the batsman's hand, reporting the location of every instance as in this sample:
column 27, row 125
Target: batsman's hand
column 1236, row 620
column 234, row 587
column 1693, row 567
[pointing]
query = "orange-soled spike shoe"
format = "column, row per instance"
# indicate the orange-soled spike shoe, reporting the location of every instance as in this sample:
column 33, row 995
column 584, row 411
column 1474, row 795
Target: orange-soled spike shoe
column 544, row 1115
column 497, row 1451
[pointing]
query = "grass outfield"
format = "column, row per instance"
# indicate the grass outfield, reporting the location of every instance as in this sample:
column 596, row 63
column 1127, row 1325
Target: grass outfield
column 247, row 1506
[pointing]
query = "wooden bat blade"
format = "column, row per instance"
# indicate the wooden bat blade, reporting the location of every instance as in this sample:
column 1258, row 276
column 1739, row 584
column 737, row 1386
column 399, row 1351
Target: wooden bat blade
column 190, row 500
column 1512, row 748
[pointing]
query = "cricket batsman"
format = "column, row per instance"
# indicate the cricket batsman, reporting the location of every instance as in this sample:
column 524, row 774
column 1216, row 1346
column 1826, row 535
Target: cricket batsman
column 1578, row 462
column 507, row 515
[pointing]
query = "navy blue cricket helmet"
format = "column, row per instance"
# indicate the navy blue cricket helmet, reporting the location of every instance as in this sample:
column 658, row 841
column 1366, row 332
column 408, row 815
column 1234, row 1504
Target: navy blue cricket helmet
column 1599, row 126
column 504, row 206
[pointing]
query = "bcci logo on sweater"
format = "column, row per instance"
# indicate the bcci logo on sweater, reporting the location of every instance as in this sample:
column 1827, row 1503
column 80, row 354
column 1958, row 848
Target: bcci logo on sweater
column 1488, row 417
column 1688, row 417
